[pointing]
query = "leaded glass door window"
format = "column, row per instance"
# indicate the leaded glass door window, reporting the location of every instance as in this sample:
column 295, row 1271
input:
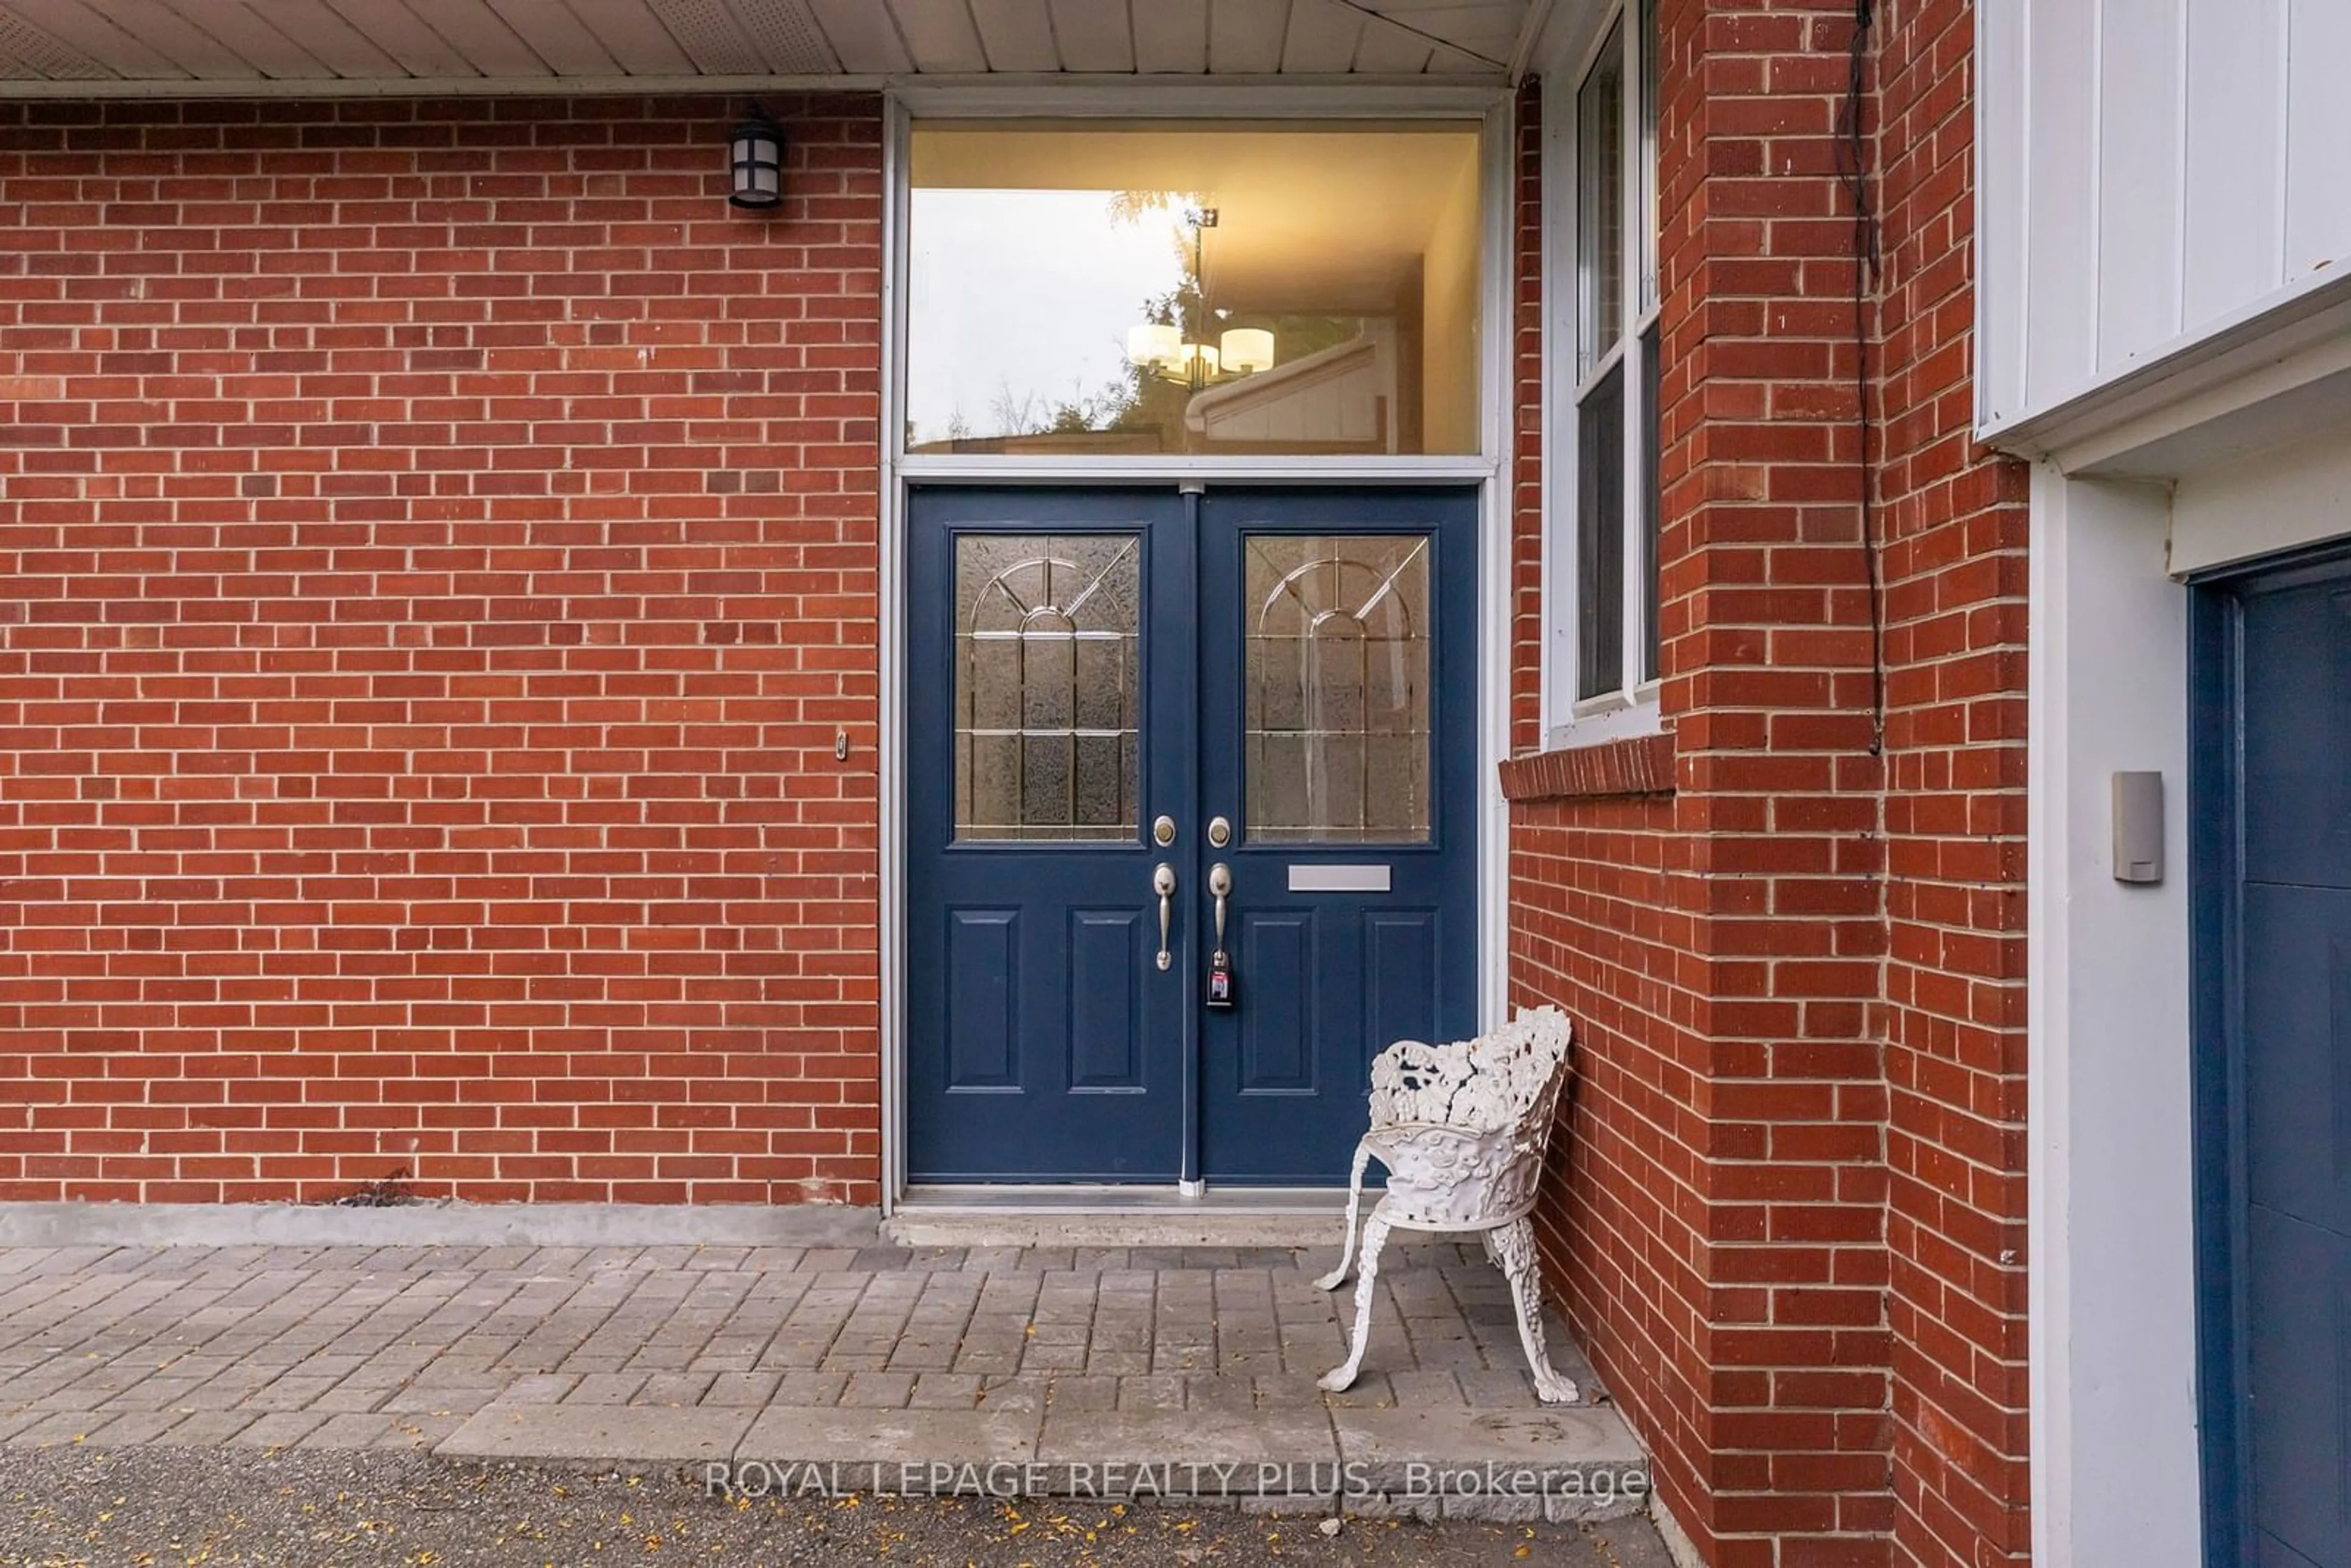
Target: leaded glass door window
column 1337, row 700
column 1046, row 669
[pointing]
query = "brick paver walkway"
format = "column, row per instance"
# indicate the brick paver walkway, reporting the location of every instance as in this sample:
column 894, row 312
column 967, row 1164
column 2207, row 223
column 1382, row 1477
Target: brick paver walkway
column 358, row 1347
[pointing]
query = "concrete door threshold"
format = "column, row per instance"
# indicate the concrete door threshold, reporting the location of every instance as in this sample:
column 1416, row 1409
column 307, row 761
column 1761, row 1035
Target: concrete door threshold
column 1555, row 1462
column 1090, row 1216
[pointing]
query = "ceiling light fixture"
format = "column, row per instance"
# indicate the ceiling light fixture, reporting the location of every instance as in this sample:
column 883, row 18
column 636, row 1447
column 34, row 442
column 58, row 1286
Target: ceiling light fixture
column 1166, row 349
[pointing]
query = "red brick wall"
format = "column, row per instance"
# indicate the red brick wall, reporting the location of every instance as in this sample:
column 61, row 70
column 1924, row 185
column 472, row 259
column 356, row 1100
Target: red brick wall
column 439, row 546
column 1593, row 928
column 1786, row 1219
column 1955, row 527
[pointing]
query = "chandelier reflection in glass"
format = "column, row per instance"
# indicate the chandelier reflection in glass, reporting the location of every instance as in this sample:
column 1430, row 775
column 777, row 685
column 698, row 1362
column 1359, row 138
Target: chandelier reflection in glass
column 1166, row 349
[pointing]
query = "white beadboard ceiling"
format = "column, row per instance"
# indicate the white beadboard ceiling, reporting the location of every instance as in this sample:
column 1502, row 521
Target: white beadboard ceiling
column 179, row 47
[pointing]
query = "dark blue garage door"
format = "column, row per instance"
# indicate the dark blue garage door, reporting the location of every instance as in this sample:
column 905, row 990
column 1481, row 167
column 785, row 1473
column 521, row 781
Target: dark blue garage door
column 2273, row 893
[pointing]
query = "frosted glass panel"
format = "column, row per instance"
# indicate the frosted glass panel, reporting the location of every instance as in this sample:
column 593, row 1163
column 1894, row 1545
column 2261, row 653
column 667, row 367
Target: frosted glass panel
column 1046, row 630
column 1336, row 713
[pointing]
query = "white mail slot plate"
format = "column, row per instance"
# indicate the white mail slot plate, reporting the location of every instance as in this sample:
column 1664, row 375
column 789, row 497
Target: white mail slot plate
column 1338, row 879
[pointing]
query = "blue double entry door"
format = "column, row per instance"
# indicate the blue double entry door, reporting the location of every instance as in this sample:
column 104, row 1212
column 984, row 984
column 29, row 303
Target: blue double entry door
column 1191, row 824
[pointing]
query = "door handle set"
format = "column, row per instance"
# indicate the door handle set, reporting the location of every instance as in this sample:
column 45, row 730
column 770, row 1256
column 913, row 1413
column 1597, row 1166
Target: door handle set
column 1221, row 963
column 1220, row 885
column 1163, row 883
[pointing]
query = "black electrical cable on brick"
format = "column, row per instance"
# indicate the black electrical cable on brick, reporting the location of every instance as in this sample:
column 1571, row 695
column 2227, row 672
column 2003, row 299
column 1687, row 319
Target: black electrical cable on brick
column 1853, row 165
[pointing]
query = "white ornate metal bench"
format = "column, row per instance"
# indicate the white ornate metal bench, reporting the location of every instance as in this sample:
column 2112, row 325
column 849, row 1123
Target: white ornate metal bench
column 1461, row 1129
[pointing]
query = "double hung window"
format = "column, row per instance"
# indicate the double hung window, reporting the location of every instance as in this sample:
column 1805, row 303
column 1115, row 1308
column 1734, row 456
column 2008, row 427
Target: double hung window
column 1602, row 504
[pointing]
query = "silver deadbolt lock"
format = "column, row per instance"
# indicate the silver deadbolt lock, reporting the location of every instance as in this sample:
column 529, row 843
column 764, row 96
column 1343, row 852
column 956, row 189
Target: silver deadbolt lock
column 1221, row 832
column 1162, row 831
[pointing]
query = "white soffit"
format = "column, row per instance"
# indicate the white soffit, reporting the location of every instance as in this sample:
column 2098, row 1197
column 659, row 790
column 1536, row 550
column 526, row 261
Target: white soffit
column 173, row 48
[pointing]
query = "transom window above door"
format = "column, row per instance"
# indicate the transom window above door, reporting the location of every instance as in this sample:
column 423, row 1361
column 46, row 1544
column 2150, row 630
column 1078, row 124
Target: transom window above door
column 1142, row 289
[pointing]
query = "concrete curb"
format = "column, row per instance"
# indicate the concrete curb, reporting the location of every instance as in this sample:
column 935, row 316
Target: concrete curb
column 436, row 1224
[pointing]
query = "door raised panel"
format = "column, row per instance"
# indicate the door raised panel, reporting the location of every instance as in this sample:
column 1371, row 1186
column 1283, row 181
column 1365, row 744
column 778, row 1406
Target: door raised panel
column 983, row 998
column 1107, row 953
column 1401, row 970
column 1277, row 1013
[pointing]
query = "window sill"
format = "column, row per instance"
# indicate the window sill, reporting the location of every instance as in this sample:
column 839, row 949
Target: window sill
column 1622, row 716
column 1595, row 768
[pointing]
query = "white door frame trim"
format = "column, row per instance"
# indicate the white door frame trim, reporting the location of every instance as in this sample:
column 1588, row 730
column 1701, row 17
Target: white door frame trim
column 1490, row 471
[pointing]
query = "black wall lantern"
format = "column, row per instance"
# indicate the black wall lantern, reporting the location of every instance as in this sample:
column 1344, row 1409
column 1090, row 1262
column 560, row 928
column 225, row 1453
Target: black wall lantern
column 755, row 162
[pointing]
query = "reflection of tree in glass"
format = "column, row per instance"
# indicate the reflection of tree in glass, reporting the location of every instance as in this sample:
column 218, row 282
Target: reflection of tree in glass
column 1128, row 206
column 1142, row 400
column 1030, row 413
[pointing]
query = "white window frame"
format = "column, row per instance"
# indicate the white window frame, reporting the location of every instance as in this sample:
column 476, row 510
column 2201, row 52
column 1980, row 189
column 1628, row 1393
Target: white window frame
column 1632, row 708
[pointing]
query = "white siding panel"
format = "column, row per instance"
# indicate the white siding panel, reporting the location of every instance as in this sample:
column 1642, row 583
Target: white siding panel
column 2236, row 172
column 2004, row 183
column 555, row 35
column 2061, row 247
column 1017, row 33
column 1093, row 36
column 1245, row 36
column 478, row 33
column 862, row 35
column 1171, row 35
column 2140, row 122
column 1322, row 36
column 940, row 35
column 2318, row 137
column 395, row 28
column 2154, row 172
column 325, row 37
column 634, row 36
